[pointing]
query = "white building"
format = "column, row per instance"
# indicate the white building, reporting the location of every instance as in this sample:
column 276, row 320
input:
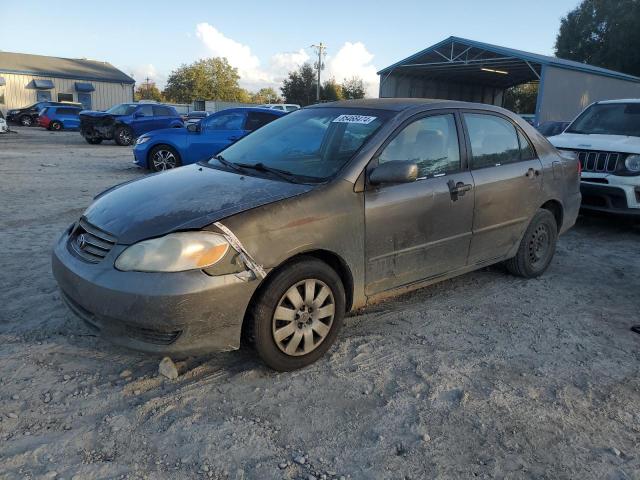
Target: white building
column 26, row 79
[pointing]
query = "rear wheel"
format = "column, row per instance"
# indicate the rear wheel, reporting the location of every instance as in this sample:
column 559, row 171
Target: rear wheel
column 93, row 140
column 298, row 315
column 55, row 125
column 123, row 136
column 536, row 248
column 163, row 157
column 25, row 121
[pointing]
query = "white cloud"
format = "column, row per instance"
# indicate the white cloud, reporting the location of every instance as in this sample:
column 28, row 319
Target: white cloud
column 140, row 74
column 352, row 59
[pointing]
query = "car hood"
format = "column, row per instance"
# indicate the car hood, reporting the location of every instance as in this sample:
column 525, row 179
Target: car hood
column 163, row 132
column 605, row 143
column 186, row 198
column 96, row 114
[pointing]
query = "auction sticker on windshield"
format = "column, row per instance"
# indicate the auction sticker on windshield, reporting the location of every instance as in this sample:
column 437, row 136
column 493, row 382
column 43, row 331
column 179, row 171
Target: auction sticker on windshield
column 363, row 119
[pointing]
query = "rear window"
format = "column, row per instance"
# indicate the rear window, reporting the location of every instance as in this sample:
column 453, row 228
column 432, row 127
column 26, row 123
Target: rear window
column 162, row 111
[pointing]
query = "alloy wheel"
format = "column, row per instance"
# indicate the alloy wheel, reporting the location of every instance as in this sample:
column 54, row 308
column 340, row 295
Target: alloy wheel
column 26, row 121
column 303, row 317
column 164, row 160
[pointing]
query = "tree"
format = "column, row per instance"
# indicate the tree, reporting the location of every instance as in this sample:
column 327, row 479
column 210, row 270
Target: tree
column 266, row 95
column 603, row 33
column 353, row 88
column 521, row 98
column 331, row 91
column 208, row 79
column 148, row 91
column 300, row 86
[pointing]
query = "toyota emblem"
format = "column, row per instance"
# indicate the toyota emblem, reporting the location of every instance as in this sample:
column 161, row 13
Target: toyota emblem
column 82, row 241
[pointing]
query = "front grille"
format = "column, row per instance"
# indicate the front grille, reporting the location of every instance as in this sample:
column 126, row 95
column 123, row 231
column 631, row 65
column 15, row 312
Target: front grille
column 149, row 335
column 89, row 242
column 598, row 162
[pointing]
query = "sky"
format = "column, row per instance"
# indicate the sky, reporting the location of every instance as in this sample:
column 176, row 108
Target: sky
column 265, row 40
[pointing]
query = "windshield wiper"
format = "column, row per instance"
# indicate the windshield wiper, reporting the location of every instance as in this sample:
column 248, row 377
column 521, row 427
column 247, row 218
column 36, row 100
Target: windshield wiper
column 261, row 167
column 227, row 163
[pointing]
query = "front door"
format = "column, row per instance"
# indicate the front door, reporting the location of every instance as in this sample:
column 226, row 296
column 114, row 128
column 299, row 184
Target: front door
column 508, row 181
column 85, row 100
column 216, row 133
column 420, row 230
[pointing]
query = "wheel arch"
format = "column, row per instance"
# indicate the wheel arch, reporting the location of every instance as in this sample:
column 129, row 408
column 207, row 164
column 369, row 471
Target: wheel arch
column 335, row 261
column 555, row 207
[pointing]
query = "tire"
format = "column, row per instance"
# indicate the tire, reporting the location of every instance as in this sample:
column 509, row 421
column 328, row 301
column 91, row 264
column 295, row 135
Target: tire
column 93, row 140
column 25, row 121
column 303, row 327
column 163, row 157
column 123, row 136
column 55, row 125
column 536, row 248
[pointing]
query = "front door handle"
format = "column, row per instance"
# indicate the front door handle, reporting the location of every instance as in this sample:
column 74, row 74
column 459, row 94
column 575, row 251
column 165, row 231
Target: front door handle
column 458, row 189
column 532, row 172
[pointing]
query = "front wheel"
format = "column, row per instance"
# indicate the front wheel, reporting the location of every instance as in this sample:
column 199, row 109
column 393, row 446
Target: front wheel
column 55, row 125
column 298, row 315
column 26, row 121
column 123, row 136
column 536, row 248
column 163, row 157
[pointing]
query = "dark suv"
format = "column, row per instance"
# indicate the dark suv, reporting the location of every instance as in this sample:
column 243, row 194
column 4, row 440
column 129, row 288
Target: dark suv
column 28, row 116
column 126, row 121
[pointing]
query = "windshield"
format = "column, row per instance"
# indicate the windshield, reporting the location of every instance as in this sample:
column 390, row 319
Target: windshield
column 608, row 119
column 312, row 143
column 122, row 109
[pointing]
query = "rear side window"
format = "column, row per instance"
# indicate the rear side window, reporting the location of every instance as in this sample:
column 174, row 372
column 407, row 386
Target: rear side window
column 146, row 110
column 526, row 149
column 162, row 111
column 494, row 140
column 257, row 119
column 68, row 111
column 431, row 142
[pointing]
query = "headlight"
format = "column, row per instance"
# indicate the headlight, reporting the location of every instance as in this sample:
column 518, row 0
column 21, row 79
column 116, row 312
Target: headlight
column 632, row 163
column 142, row 140
column 175, row 252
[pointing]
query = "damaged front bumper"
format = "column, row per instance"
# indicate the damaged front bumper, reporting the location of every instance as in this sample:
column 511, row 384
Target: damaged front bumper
column 182, row 313
column 101, row 127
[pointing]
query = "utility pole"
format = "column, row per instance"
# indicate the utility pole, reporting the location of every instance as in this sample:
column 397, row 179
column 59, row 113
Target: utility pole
column 319, row 66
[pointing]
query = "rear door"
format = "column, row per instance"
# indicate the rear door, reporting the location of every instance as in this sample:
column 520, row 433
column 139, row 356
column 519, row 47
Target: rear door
column 163, row 116
column 420, row 230
column 508, row 182
column 216, row 133
column 144, row 120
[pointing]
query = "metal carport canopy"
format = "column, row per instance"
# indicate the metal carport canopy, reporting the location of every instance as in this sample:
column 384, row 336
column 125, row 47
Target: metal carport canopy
column 471, row 66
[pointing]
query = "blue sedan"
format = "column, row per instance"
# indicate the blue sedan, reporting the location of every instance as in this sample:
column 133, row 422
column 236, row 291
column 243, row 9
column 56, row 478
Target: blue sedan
column 169, row 148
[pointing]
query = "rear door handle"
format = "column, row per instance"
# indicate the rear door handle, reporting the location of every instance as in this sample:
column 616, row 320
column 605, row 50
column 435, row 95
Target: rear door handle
column 458, row 189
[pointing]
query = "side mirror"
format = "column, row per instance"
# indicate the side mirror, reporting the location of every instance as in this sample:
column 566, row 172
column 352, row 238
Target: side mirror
column 193, row 127
column 396, row 171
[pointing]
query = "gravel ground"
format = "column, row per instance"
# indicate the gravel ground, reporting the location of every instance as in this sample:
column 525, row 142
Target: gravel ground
column 483, row 376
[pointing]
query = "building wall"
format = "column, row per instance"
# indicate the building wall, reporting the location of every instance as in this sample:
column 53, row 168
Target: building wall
column 403, row 86
column 18, row 92
column 565, row 93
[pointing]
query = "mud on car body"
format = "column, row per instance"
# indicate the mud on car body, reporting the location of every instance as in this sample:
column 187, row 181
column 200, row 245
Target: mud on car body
column 126, row 121
column 313, row 215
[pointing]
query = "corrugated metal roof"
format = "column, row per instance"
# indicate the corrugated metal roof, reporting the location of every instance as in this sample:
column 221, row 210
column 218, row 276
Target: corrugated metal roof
column 519, row 54
column 74, row 68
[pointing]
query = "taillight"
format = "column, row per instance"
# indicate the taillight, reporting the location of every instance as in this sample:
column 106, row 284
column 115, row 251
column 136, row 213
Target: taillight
column 579, row 168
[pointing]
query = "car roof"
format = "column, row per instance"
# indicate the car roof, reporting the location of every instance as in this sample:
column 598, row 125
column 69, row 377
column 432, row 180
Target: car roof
column 400, row 104
column 621, row 100
column 250, row 109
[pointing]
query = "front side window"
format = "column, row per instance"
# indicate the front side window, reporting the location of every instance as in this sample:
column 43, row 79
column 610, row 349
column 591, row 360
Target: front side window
column 608, row 119
column 313, row 143
column 225, row 121
column 122, row 109
column 430, row 142
column 494, row 140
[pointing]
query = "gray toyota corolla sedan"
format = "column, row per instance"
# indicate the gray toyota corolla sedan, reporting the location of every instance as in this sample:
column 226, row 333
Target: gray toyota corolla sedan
column 316, row 214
